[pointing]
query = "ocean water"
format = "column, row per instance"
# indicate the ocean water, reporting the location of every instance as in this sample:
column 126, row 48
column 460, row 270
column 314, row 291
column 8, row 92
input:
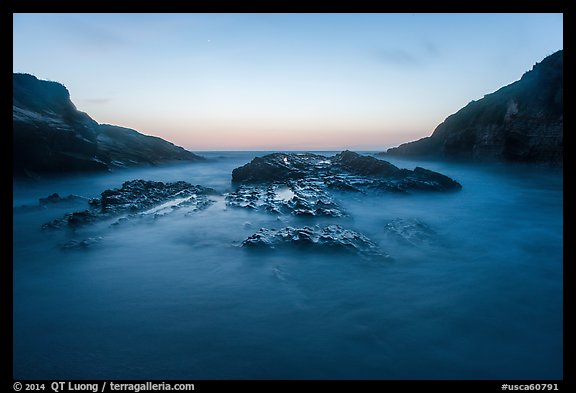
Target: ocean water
column 177, row 297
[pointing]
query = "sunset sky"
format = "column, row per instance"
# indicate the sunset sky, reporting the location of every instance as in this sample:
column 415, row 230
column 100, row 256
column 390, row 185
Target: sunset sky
column 281, row 81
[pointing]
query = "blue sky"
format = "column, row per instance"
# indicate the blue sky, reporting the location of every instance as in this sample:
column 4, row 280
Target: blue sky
column 281, row 81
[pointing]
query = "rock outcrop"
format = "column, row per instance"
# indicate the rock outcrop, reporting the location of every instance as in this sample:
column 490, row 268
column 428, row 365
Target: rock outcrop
column 344, row 171
column 332, row 238
column 50, row 136
column 303, row 184
column 281, row 167
column 521, row 122
column 314, row 192
column 137, row 197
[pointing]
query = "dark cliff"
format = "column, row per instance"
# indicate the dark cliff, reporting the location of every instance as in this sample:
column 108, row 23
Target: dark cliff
column 521, row 122
column 51, row 136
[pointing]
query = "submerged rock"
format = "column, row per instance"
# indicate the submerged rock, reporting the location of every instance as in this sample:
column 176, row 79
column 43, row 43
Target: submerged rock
column 54, row 200
column 411, row 231
column 57, row 199
column 138, row 197
column 81, row 244
column 329, row 238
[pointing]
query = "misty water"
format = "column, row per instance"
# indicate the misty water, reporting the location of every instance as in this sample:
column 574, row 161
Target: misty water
column 177, row 297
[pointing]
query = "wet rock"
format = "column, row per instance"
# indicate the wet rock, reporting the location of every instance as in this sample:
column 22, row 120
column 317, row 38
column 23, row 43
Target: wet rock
column 311, row 199
column 425, row 179
column 312, row 179
column 346, row 171
column 329, row 238
column 139, row 197
column 279, row 167
column 299, row 198
column 357, row 164
column 340, row 184
column 258, row 197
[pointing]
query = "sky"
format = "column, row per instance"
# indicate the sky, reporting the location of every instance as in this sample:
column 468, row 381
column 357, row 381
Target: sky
column 281, row 81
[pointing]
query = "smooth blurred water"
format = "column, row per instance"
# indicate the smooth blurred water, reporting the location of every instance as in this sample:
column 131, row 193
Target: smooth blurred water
column 178, row 298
